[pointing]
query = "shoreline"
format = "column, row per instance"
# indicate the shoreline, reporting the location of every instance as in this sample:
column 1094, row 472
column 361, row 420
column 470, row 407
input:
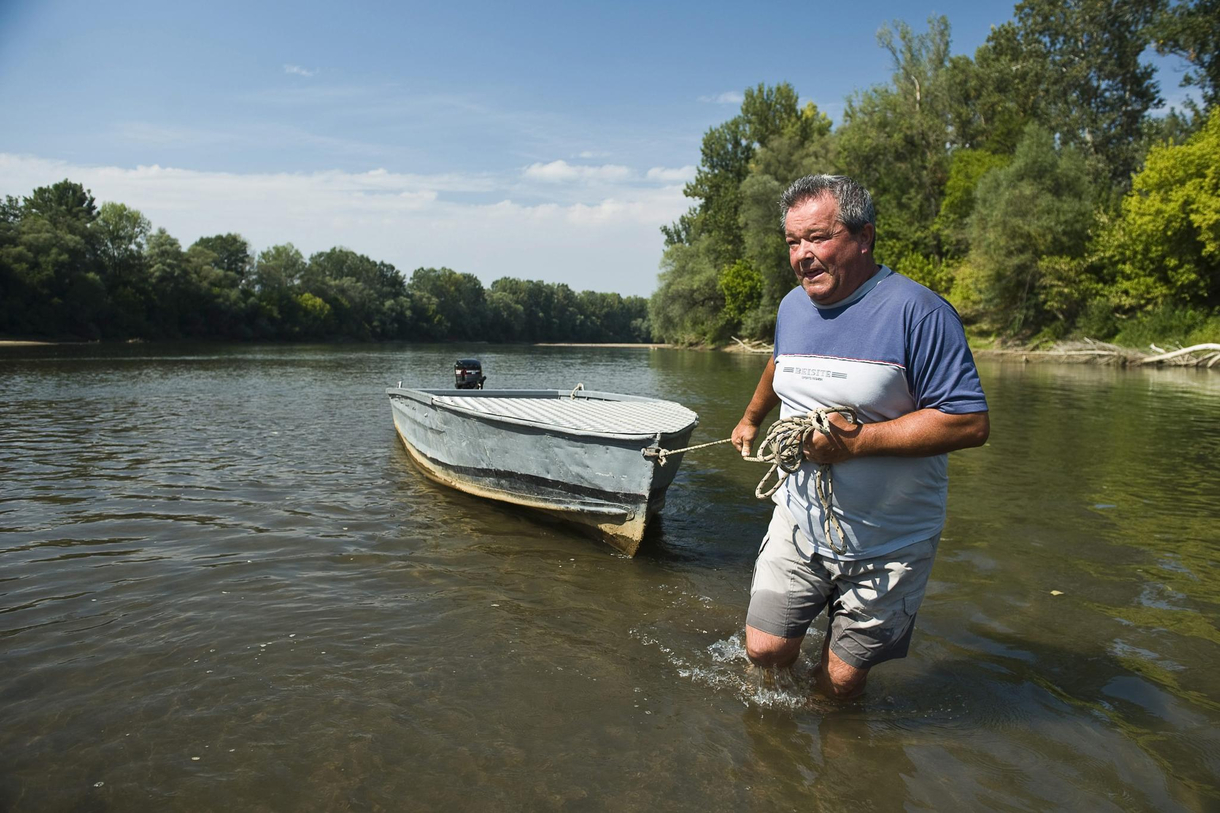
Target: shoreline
column 1205, row 356
column 1096, row 353
column 1086, row 352
column 639, row 345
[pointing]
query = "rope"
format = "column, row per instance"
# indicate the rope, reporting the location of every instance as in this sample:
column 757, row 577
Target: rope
column 662, row 454
column 784, row 448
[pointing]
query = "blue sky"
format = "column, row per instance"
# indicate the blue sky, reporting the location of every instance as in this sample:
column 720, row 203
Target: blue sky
column 547, row 141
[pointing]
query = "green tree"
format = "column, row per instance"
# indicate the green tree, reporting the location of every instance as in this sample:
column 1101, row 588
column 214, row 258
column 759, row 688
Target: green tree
column 175, row 287
column 64, row 204
column 802, row 147
column 357, row 289
column 549, row 312
column 276, row 277
column 13, row 295
column 725, row 161
column 894, row 139
column 742, row 289
column 231, row 253
column 765, row 252
column 279, row 267
column 51, row 263
column 221, row 309
column 745, row 165
column 966, row 167
column 1191, row 30
column 993, row 96
column 506, row 315
column 688, row 305
column 461, row 302
column 1164, row 246
column 517, row 306
column 121, row 236
column 1037, row 207
column 1093, row 90
column 316, row 318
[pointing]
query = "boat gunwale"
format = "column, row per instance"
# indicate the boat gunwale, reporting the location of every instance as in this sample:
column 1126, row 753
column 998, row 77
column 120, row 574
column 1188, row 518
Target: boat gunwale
column 430, row 399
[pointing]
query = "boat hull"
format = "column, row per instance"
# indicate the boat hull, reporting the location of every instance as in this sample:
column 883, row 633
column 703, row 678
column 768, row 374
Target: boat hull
column 600, row 481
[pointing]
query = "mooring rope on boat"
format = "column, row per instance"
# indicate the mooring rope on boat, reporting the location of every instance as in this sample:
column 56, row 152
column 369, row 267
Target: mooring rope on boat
column 784, row 448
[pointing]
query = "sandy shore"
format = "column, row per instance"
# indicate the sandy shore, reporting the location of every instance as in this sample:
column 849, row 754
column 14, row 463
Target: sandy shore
column 649, row 345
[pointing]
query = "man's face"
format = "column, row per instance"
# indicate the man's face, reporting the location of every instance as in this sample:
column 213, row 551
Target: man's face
column 829, row 261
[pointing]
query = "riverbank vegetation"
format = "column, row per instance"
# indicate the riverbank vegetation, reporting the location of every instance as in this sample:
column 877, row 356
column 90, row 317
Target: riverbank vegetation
column 72, row 269
column 1036, row 185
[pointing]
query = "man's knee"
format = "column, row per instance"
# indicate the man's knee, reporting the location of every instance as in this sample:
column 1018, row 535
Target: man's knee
column 840, row 679
column 844, row 689
column 769, row 651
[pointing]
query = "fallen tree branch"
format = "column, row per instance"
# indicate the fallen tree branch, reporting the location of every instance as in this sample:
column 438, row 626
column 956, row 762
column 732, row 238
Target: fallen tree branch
column 1194, row 348
column 753, row 346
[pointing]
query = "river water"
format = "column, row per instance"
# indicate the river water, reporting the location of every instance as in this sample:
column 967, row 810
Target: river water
column 224, row 586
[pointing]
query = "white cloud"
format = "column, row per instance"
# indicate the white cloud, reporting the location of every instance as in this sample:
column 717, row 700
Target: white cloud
column 563, row 172
column 668, row 175
column 297, row 70
column 728, row 97
column 606, row 175
column 608, row 240
column 586, row 154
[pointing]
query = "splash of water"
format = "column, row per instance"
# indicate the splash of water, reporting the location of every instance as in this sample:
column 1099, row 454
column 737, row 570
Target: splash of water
column 727, row 668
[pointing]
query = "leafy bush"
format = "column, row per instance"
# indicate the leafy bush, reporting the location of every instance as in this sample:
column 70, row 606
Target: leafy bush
column 1170, row 325
column 1040, row 205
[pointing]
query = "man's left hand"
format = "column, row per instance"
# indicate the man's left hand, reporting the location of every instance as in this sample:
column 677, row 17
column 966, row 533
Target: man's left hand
column 921, row 433
column 835, row 447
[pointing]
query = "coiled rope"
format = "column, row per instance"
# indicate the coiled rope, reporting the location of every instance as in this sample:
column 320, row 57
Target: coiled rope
column 784, row 448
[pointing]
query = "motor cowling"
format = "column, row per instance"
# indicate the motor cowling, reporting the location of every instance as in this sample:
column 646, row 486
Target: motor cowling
column 468, row 374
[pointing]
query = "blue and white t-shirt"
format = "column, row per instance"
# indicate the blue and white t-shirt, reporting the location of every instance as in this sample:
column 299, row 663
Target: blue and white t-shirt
column 891, row 348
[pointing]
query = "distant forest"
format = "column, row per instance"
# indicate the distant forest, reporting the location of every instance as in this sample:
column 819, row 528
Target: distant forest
column 72, row 269
column 1030, row 185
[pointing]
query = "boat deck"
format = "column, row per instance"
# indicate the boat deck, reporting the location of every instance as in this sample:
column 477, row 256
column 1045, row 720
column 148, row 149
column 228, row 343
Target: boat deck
column 582, row 413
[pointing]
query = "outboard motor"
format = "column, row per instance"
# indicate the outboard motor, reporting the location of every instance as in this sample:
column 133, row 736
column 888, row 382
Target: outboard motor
column 468, row 374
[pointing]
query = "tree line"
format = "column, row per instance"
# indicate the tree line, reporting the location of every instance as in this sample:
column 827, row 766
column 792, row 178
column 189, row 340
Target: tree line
column 1029, row 184
column 71, row 268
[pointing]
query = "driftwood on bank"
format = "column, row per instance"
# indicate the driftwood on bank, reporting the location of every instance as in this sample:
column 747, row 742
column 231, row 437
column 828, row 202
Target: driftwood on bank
column 1088, row 351
column 753, row 346
column 1210, row 351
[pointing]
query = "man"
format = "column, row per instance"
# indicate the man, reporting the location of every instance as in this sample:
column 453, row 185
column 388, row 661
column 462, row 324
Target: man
column 856, row 334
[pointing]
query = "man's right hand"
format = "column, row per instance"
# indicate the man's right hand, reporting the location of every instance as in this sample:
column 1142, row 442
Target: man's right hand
column 743, row 436
column 763, row 402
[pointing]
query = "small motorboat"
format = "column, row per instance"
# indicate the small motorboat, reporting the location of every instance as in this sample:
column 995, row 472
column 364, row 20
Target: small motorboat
column 577, row 455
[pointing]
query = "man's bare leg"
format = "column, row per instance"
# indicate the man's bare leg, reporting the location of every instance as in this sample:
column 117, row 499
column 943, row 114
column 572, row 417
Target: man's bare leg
column 771, row 651
column 836, row 677
column 833, row 675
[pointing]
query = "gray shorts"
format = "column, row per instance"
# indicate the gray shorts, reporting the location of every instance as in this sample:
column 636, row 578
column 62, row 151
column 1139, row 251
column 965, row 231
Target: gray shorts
column 872, row 602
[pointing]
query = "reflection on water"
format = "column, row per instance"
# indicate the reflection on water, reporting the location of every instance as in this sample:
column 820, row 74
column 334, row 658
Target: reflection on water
column 223, row 585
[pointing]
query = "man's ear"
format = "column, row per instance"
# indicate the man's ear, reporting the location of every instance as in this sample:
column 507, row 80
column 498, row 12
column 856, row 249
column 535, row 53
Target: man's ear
column 865, row 238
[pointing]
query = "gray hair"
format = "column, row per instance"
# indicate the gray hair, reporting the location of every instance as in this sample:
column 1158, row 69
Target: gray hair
column 853, row 201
